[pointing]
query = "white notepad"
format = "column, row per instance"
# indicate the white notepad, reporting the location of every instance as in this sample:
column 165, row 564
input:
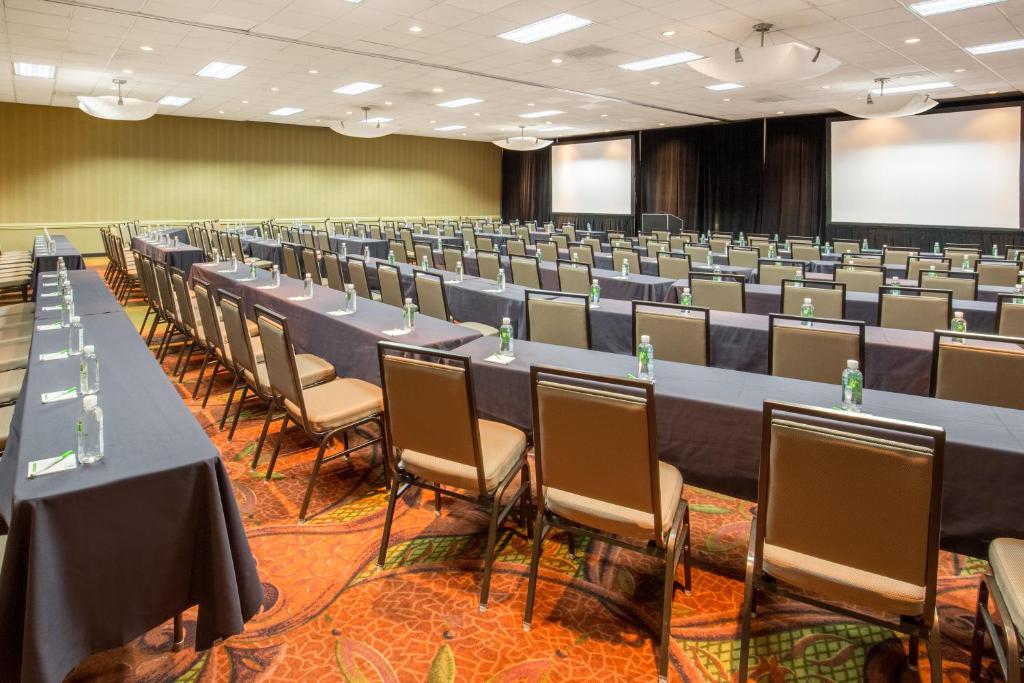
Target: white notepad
column 56, row 355
column 48, row 326
column 395, row 332
column 54, row 396
column 500, row 360
column 61, row 463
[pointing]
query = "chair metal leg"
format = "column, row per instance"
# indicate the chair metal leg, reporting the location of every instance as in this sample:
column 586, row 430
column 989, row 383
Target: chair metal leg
column 666, row 608
column 263, row 435
column 277, row 446
column 186, row 350
column 572, row 544
column 238, row 412
column 687, row 578
column 388, row 518
column 149, row 310
column 213, row 380
column 437, row 501
column 524, row 502
column 231, row 396
column 748, row 606
column 913, row 648
column 978, row 636
column 538, row 538
column 935, row 649
column 202, row 371
column 492, row 537
column 312, row 480
column 178, row 638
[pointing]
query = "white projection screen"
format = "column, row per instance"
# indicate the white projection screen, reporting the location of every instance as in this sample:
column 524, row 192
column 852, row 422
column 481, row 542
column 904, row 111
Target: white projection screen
column 956, row 169
column 592, row 177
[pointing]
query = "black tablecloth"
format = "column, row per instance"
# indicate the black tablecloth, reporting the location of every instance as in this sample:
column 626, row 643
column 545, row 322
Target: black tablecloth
column 44, row 262
column 181, row 256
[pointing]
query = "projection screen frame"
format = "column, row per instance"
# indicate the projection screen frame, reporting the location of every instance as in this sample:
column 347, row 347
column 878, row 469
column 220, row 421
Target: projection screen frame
column 830, row 224
column 634, row 163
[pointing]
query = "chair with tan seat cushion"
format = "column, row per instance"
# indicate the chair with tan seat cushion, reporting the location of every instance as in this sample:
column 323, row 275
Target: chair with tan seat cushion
column 424, row 252
column 718, row 292
column 547, row 249
column 582, row 253
column 978, row 368
column 1010, row 315
column 390, row 285
column 574, row 278
column 19, row 309
column 817, row 352
column 357, row 277
column 525, row 271
column 562, row 319
column 862, row 260
column 335, row 274
column 1005, row 583
column 698, row 252
column 828, row 298
column 6, row 416
column 848, row 519
column 774, row 271
column 10, row 385
column 964, row 286
column 681, row 334
column 515, row 247
column 442, row 446
column 655, row 247
column 433, row 301
column 743, row 257
column 997, row 273
column 866, row 279
column 593, row 243
column 674, row 266
column 720, row 245
column 452, row 258
column 488, row 264
column 846, row 246
column 956, row 255
column 898, row 256
column 311, row 265
column 923, row 264
column 914, row 308
column 626, row 255
column 561, row 241
column 598, row 475
column 805, row 252
column 19, row 281
column 678, row 242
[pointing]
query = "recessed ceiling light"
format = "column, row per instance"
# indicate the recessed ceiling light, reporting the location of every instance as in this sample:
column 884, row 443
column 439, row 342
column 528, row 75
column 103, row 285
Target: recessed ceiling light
column 992, row 92
column 545, row 28
column 145, row 48
column 34, row 70
column 174, row 101
column 556, row 60
column 914, row 88
column 547, row 123
column 826, row 87
column 285, row 111
column 959, row 71
column 275, row 89
column 354, row 2
column 476, row 113
column 727, row 99
column 464, row 134
column 387, row 103
column 540, row 114
column 933, row 7
column 661, row 124
column 245, row 101
column 604, row 116
column 447, row 128
column 357, row 88
column 220, row 70
column 433, row 121
column 415, row 29
column 665, row 60
column 220, row 111
column 607, row 130
column 668, row 34
column 127, row 71
column 313, row 72
column 911, row 41
column 554, row 129
column 655, row 82
column 348, row 113
column 1004, row 46
column 461, row 102
column 379, row 119
column 780, row 112
column 439, row 90
column 723, row 86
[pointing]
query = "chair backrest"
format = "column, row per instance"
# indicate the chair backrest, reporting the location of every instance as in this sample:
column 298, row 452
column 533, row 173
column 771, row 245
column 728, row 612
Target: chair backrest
column 865, row 279
column 424, row 252
column 743, row 257
column 430, row 295
column 516, row 247
column 468, row 238
column 593, row 243
column 897, row 256
column 163, row 282
column 307, row 238
column 390, row 285
column 627, row 255
column 964, row 285
column 862, row 260
column 562, row 319
column 582, row 253
column 720, row 245
column 525, row 271
column 828, row 298
column 675, row 266
column 914, row 308
column 718, row 292
column 375, row 232
column 660, row 235
column 397, row 248
column 452, row 257
column 183, row 301
column 570, row 232
column 484, row 243
column 997, row 273
column 574, row 277
column 855, row 490
column 207, row 305
column 1010, row 315
column 235, row 241
column 697, row 252
column 279, row 357
column 817, row 353
column 774, row 271
column 846, row 246
column 311, row 265
column 357, row 276
column 596, row 437
column 407, row 240
column 978, row 368
column 523, row 233
column 548, row 249
column 926, row 264
column 678, row 242
column 332, row 267
column 681, row 334
column 237, row 332
column 655, row 247
column 488, row 264
column 291, row 261
column 561, row 240
column 805, row 252
column 956, row 255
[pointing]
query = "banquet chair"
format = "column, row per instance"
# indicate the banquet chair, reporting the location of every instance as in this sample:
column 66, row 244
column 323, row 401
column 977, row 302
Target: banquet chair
column 978, row 368
column 408, row 241
column 1005, row 583
column 523, row 233
column 333, row 271
column 525, row 271
column 515, row 247
column 697, row 252
column 681, row 334
column 562, row 319
column 743, row 257
column 324, row 411
column 574, row 278
column 375, row 232
column 570, row 232
column 593, row 243
column 170, row 312
column 997, row 273
column 14, row 354
column 660, row 235
column 976, row 246
column 674, row 266
column 468, row 239
column 828, row 298
column 433, row 301
column 216, row 348
column 914, row 308
column 598, row 475
column 678, row 242
column 291, row 261
column 357, row 277
column 224, row 243
column 720, row 245
column 718, row 292
column 10, row 385
column 488, row 264
column 816, row 353
column 190, row 327
column 307, row 239
column 615, row 235
column 151, row 292
column 1014, row 252
column 865, row 279
column 398, row 249
column 1010, row 315
column 926, row 264
column 805, row 252
column 484, row 243
column 583, row 254
column 311, row 265
column 626, row 255
column 561, row 241
column 964, row 286
column 816, row 539
column 898, row 256
column 239, row 252
column 655, row 247
column 390, row 283
column 391, row 234
column 448, row 231
column 863, row 260
column 452, row 257
column 956, row 255
column 441, row 445
column 547, row 249
column 846, row 246
column 424, row 252
column 774, row 271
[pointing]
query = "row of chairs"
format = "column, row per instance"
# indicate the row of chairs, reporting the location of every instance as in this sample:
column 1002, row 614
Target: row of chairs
column 16, row 323
column 16, row 269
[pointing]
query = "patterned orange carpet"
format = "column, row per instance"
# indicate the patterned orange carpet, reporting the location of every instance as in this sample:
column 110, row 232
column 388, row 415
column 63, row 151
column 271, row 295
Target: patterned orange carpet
column 330, row 615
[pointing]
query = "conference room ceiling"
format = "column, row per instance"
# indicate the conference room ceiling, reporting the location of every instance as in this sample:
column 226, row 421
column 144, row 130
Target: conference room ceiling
column 298, row 51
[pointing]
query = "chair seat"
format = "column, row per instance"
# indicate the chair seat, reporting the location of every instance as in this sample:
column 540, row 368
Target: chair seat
column 500, row 447
column 14, row 355
column 842, row 583
column 16, row 329
column 617, row 519
column 485, row 330
column 15, row 280
column 312, row 370
column 338, row 403
column 6, row 415
column 10, row 384
column 22, row 309
column 1006, row 555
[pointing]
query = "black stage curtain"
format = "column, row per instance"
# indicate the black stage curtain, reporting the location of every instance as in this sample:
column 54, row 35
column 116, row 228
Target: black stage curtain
column 793, row 185
column 597, row 221
column 526, row 185
column 669, row 176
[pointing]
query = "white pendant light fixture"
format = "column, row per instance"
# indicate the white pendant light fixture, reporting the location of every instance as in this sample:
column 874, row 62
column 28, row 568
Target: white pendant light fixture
column 772, row 64
column 117, row 108
column 882, row 106
column 522, row 142
column 376, row 127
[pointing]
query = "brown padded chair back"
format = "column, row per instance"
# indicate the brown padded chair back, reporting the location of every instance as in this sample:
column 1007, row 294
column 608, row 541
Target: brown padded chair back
column 655, row 247
column 375, row 232
column 488, row 263
column 827, row 302
column 570, row 232
column 525, row 271
column 515, row 247
column 718, row 295
column 821, row 472
column 452, row 257
column 1010, row 318
column 312, row 265
column 561, row 321
column 678, row 242
column 846, row 246
column 279, row 357
column 407, row 240
column 806, row 252
column 815, row 354
column 291, row 261
column 523, row 233
column 561, row 240
column 430, row 295
column 183, row 302
column 862, row 260
column 897, row 257
column 743, row 257
column 963, row 288
column 860, row 279
column 332, row 266
column 918, row 265
column 583, row 254
column 907, row 312
column 424, row 252
column 468, row 238
column 574, row 277
column 238, row 339
column 719, row 245
column 398, row 249
column 235, row 241
column 697, row 252
column 674, row 266
column 163, row 281
column 997, row 273
column 548, row 250
column 390, row 285
column 208, row 318
column 956, row 255
column 307, row 239
column 357, row 275
column 484, row 243
column 620, row 255
column 979, row 374
column 593, row 243
column 675, row 337
column 774, row 273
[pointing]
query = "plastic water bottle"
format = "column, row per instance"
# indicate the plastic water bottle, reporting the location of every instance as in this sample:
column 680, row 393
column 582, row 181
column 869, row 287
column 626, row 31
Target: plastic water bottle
column 936, row 248
column 350, row 298
column 965, row 264
column 505, row 338
column 67, row 311
column 409, row 315
column 90, row 432
column 645, row 359
column 771, row 250
column 717, row 272
column 344, row 249
column 828, row 248
column 307, row 286
column 425, row 264
column 501, row 279
column 366, row 253
column 391, row 257
column 807, row 311
column 625, row 267
column 853, row 387
column 216, row 256
column 89, row 371
column 1018, row 290
column 711, row 258
column 995, row 250
column 817, row 240
column 459, row 273
column 743, row 240
column 76, row 337
column 575, row 258
column 275, row 276
column 958, row 323
column 595, row 292
column 895, row 284
column 252, row 270
column 686, row 298
column 864, row 245
column 540, row 255
column 234, row 264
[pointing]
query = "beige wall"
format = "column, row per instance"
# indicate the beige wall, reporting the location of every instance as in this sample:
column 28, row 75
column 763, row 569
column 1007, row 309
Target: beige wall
column 60, row 165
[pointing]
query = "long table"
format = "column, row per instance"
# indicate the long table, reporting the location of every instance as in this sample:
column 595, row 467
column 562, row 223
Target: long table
column 181, row 256
column 709, row 426
column 45, row 262
column 100, row 554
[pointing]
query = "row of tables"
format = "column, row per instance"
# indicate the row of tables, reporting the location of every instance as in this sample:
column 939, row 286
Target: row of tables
column 44, row 261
